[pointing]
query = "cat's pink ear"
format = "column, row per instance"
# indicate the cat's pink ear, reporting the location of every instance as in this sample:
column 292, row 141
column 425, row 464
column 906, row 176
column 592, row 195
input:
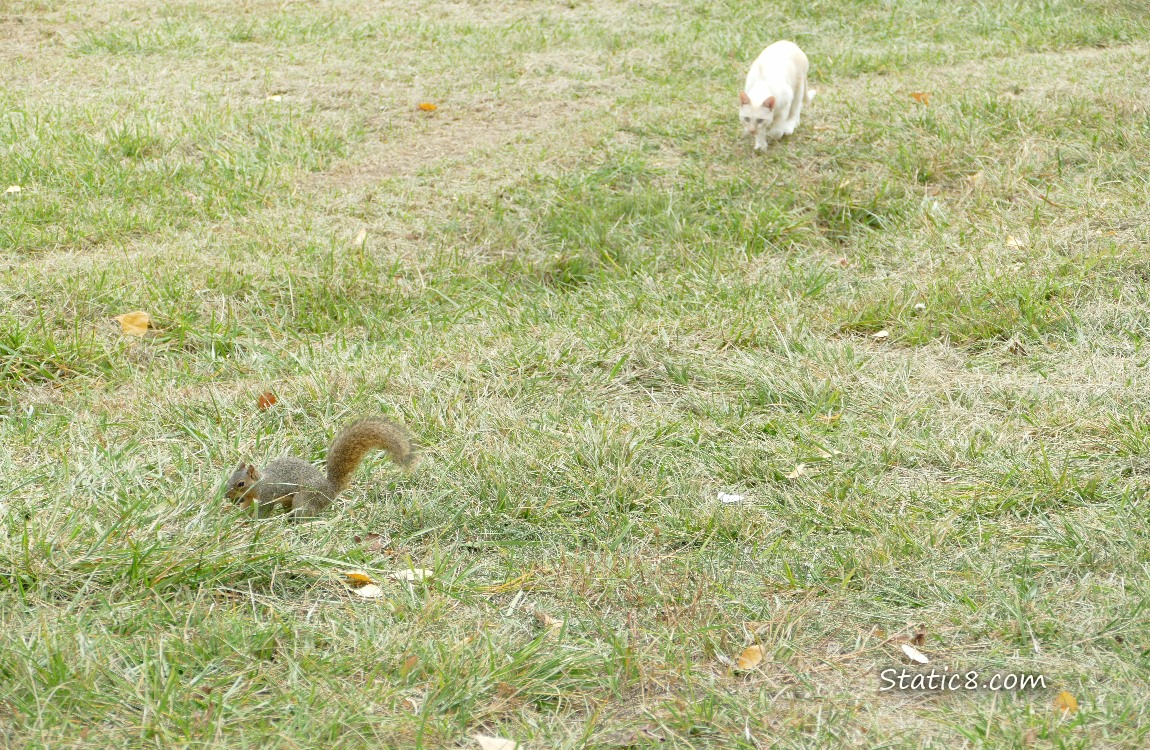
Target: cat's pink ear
column 769, row 102
column 743, row 98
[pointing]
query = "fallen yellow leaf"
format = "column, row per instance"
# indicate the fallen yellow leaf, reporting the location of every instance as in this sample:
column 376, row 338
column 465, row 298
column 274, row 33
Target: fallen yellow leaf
column 274, row 97
column 266, row 400
column 1012, row 241
column 428, row 107
column 1066, row 703
column 882, row 335
column 750, row 658
column 358, row 576
column 360, row 238
column 133, row 323
column 800, row 469
column 922, row 97
column 13, row 189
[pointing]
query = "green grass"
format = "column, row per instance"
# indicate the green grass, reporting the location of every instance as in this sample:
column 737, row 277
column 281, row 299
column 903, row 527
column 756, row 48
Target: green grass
column 597, row 310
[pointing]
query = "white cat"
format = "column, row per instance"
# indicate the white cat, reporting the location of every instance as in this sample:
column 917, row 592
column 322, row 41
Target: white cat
column 776, row 88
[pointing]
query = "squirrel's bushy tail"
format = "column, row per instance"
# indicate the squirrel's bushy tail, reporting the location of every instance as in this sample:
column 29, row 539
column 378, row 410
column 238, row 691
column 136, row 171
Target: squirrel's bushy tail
column 355, row 440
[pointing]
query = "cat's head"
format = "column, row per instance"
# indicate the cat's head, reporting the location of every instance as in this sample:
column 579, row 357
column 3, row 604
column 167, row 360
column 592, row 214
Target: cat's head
column 753, row 116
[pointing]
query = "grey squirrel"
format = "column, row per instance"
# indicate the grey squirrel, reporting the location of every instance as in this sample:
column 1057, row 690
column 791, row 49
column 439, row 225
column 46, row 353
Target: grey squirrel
column 296, row 484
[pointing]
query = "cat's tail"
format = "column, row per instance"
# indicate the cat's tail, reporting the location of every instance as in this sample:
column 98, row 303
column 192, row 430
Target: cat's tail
column 811, row 94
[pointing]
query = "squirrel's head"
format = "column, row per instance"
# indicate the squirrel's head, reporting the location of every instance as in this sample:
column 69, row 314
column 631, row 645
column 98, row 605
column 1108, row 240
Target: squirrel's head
column 242, row 482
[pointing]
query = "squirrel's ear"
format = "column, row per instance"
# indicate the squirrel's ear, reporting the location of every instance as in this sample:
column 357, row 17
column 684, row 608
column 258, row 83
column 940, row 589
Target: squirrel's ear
column 743, row 98
column 251, row 471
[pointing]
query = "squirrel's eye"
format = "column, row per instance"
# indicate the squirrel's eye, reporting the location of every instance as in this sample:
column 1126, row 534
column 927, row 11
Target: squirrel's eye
column 240, row 484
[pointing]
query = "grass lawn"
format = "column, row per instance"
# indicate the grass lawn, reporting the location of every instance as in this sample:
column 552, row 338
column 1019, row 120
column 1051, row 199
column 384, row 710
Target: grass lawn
column 911, row 336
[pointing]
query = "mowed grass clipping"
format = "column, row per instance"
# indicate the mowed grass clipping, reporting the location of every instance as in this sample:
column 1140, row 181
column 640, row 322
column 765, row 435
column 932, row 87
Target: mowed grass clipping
column 910, row 338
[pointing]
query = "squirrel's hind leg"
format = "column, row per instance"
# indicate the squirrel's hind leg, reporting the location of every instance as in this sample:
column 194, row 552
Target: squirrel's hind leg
column 308, row 505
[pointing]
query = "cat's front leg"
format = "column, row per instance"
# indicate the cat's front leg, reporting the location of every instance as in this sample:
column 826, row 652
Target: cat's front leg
column 761, row 141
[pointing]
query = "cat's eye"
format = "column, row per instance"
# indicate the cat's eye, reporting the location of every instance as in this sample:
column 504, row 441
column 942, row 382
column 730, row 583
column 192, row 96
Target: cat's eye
column 760, row 122
column 746, row 119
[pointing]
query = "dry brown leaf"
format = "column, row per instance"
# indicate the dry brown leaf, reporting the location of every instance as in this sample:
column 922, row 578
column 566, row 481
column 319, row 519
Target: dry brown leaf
column 830, row 417
column 370, row 591
column 751, row 657
column 371, row 542
column 1066, row 703
column 496, row 743
column 408, row 665
column 358, row 577
column 882, row 335
column 844, row 262
column 547, row 620
column 800, row 470
column 415, row 705
column 360, row 238
column 914, row 654
column 412, row 574
column 134, row 323
column 922, row 97
column 13, row 189
column 919, row 638
column 1030, row 739
column 266, row 400
column 428, row 107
